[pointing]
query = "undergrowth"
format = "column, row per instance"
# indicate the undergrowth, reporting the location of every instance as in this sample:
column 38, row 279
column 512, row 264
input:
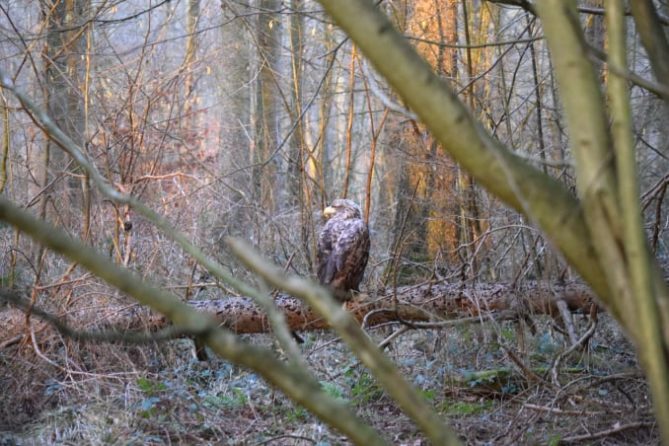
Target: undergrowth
column 490, row 385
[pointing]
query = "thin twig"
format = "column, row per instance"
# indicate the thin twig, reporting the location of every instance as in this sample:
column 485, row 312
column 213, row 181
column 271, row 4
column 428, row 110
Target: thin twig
column 400, row 331
column 583, row 339
column 112, row 335
column 617, row 428
column 558, row 411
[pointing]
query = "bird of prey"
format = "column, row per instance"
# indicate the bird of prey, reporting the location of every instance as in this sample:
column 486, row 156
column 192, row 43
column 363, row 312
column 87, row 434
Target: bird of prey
column 343, row 248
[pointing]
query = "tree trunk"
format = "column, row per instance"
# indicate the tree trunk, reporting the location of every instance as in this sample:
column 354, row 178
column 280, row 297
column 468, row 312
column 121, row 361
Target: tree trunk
column 319, row 166
column 265, row 114
column 6, row 142
column 235, row 121
column 425, row 190
column 189, row 97
column 64, row 77
column 296, row 153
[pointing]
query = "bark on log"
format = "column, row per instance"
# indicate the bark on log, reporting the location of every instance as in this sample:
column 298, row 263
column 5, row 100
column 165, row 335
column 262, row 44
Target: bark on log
column 416, row 303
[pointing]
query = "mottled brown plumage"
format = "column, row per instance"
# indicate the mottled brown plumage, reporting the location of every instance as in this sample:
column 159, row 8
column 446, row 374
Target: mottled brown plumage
column 343, row 249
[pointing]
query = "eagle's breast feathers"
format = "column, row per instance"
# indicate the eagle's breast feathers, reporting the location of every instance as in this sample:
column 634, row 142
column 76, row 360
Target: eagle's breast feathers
column 343, row 249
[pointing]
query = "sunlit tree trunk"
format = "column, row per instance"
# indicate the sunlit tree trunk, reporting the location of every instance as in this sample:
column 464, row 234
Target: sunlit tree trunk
column 425, row 187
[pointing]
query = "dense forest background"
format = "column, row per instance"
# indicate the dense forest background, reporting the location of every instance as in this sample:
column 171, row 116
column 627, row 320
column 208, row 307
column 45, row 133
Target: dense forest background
column 245, row 119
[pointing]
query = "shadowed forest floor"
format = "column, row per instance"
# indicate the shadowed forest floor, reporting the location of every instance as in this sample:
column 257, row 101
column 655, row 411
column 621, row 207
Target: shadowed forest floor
column 493, row 384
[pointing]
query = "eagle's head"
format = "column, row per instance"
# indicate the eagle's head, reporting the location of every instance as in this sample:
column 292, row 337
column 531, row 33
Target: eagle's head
column 342, row 209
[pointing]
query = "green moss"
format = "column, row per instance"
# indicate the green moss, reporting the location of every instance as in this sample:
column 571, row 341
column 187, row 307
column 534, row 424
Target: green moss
column 463, row 408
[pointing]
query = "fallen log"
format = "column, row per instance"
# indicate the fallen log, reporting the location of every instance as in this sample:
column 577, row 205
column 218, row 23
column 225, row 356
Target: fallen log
column 430, row 305
column 412, row 304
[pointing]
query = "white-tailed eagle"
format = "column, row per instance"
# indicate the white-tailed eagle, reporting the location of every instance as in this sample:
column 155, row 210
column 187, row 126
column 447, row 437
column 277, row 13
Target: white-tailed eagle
column 343, row 248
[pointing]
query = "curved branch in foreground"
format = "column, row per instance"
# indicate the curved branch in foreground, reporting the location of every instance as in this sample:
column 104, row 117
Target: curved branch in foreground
column 295, row 382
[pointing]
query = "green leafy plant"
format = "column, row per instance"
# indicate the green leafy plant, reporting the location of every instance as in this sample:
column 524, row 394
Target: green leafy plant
column 297, row 414
column 333, row 390
column 151, row 387
column 365, row 389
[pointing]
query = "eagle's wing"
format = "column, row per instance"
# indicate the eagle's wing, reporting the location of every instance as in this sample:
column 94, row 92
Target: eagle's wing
column 325, row 241
column 360, row 257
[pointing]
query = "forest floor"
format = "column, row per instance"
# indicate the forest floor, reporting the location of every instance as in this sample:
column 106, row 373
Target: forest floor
column 495, row 384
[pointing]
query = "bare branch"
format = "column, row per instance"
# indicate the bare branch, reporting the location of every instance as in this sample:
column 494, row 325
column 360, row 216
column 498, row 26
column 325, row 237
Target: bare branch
column 112, row 335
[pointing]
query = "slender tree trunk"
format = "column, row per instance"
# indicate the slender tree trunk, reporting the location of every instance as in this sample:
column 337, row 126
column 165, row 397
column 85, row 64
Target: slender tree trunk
column 469, row 216
column 320, row 167
column 266, row 113
column 296, row 153
column 236, row 145
column 190, row 98
column 5, row 143
column 65, row 68
column 595, row 31
column 349, row 123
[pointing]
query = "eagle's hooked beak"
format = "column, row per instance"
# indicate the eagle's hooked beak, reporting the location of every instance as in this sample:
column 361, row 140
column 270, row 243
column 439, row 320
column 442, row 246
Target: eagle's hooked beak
column 329, row 212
